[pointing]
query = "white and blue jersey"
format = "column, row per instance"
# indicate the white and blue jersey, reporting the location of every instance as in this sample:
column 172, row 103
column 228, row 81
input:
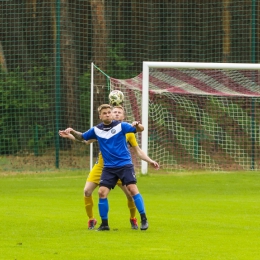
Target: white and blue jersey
column 112, row 142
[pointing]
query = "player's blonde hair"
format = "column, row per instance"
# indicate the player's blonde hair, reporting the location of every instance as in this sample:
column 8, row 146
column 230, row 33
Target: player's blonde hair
column 118, row 106
column 103, row 106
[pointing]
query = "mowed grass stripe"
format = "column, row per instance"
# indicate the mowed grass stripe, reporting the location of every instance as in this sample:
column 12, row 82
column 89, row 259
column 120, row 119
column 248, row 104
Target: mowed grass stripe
column 191, row 216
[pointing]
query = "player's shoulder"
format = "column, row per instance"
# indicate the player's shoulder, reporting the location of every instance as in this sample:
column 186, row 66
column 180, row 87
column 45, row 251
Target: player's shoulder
column 99, row 126
column 102, row 126
column 116, row 122
column 126, row 124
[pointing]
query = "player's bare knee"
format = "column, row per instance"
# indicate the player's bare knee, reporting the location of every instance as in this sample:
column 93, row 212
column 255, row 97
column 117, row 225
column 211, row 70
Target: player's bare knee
column 132, row 188
column 87, row 192
column 103, row 192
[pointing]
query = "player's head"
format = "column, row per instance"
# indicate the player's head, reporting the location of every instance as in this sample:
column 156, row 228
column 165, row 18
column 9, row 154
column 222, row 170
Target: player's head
column 118, row 113
column 105, row 113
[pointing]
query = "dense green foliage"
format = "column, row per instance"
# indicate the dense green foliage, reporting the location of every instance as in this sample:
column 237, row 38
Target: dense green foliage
column 25, row 104
column 46, row 49
column 118, row 66
column 27, row 99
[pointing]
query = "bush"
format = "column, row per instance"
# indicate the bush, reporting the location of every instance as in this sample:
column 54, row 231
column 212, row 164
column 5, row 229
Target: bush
column 23, row 104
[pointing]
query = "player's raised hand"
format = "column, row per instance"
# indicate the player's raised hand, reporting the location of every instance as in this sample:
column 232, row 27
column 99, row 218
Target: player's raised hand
column 155, row 165
column 68, row 130
column 139, row 127
column 135, row 123
column 64, row 134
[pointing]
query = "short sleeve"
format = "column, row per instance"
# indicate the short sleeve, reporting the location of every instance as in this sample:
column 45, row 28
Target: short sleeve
column 130, row 137
column 90, row 134
column 128, row 128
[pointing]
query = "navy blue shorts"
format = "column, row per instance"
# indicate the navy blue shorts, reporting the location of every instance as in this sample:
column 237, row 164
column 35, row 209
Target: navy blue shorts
column 110, row 176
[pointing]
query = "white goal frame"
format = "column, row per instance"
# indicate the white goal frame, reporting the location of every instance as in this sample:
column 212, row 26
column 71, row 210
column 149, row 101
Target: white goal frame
column 181, row 65
column 91, row 113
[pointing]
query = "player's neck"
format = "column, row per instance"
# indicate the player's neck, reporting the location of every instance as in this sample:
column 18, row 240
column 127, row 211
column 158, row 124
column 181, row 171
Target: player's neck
column 107, row 122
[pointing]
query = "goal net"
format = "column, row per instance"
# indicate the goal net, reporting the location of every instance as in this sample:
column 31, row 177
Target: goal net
column 197, row 118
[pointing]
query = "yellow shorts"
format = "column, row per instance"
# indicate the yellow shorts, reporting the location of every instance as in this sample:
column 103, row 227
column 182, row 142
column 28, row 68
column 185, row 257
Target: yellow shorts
column 95, row 174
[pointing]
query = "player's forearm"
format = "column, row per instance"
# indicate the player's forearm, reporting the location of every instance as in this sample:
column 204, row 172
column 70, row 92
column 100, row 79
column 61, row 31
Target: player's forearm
column 89, row 141
column 84, row 141
column 146, row 158
column 142, row 155
column 71, row 137
column 139, row 128
column 77, row 135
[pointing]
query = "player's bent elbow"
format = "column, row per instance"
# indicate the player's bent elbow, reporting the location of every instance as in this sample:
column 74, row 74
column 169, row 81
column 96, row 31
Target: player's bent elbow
column 139, row 129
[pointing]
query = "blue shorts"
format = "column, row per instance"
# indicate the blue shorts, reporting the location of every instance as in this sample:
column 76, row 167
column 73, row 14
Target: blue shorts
column 110, row 176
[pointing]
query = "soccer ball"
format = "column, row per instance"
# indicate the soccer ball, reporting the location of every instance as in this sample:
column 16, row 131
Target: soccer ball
column 116, row 97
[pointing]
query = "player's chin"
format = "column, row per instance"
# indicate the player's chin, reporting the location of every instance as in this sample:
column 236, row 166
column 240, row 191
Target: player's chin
column 107, row 121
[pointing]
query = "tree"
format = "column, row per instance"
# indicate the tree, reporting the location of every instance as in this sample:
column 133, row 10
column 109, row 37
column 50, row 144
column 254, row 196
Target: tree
column 2, row 59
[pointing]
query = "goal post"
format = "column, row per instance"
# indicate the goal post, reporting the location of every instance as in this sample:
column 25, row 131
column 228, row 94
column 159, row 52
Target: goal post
column 147, row 65
column 91, row 119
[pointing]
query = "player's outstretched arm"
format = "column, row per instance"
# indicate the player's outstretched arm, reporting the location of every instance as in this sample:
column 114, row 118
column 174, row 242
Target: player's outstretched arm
column 76, row 134
column 142, row 155
column 139, row 127
column 64, row 134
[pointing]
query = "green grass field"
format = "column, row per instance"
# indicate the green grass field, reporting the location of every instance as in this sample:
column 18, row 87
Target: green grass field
column 191, row 216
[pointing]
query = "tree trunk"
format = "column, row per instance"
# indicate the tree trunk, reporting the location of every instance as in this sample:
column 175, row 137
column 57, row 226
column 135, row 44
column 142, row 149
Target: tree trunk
column 2, row 59
column 226, row 29
column 13, row 36
column 69, row 73
column 99, row 51
column 100, row 37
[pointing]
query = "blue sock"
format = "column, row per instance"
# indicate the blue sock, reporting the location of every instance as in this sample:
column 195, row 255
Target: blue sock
column 103, row 208
column 139, row 203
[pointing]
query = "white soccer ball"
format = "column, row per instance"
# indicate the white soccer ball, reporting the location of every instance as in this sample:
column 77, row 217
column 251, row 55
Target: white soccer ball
column 116, row 97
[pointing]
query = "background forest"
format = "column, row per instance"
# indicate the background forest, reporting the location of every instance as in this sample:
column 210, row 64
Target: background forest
column 46, row 48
